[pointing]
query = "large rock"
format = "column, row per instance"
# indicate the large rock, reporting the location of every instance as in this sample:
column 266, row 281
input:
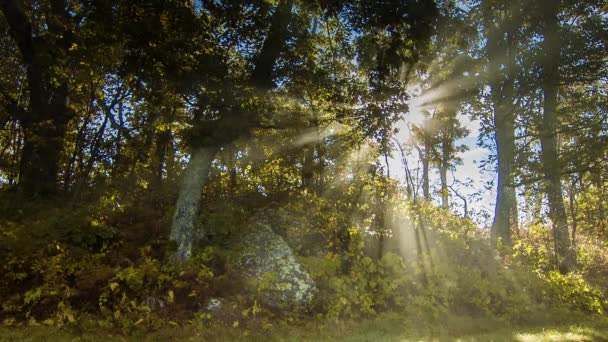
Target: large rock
column 272, row 270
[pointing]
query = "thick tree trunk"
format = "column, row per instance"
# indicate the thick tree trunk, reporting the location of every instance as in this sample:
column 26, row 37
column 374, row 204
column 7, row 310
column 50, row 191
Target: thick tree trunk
column 549, row 153
column 500, row 45
column 42, row 146
column 183, row 228
column 505, row 217
column 46, row 123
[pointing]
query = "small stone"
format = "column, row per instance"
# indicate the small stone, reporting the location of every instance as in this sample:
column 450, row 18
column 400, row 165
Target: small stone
column 213, row 305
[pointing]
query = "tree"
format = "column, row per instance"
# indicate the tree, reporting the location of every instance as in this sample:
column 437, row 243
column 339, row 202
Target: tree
column 46, row 53
column 446, row 89
column 426, row 141
column 550, row 61
column 501, row 58
column 217, row 133
column 449, row 131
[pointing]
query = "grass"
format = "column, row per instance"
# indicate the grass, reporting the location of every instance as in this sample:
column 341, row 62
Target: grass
column 384, row 328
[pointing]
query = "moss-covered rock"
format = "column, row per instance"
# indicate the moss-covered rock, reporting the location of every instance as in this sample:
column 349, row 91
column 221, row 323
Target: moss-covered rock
column 272, row 270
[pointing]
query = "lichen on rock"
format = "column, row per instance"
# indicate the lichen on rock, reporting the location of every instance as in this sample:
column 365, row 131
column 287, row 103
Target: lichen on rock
column 279, row 279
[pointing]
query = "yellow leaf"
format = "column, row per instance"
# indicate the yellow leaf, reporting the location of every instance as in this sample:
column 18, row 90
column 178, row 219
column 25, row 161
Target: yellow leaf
column 171, row 296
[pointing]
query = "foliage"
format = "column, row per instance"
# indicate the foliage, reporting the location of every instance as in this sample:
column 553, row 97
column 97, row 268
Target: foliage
column 455, row 273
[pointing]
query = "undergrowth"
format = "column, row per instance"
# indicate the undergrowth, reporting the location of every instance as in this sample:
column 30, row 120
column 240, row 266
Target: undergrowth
column 85, row 268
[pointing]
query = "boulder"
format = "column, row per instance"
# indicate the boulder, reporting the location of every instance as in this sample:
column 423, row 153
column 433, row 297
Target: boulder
column 272, row 270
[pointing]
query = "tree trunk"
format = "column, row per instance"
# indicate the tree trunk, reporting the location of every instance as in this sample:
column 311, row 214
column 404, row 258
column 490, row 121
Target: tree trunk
column 232, row 157
column 549, row 153
column 443, row 173
column 46, row 124
column 320, row 147
column 505, row 217
column 183, row 228
column 307, row 168
column 409, row 183
column 425, row 171
column 90, row 163
column 500, row 45
column 162, row 142
column 573, row 211
column 117, row 158
column 80, row 137
column 42, row 146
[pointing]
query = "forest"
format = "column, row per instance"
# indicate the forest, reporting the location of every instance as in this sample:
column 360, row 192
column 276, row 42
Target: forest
column 304, row 170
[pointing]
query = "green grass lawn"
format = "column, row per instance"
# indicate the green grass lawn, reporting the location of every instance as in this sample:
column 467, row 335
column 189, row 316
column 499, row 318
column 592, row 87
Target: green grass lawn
column 385, row 328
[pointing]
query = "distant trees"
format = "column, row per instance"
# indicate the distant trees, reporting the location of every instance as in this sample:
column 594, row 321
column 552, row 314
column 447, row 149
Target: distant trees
column 442, row 75
column 527, row 69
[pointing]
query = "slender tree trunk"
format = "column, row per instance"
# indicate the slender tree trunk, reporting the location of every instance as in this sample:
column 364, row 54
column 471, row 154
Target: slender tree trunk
column 409, row 183
column 170, row 162
column 90, row 163
column 573, row 211
column 15, row 144
column 162, row 142
column 232, row 169
column 549, row 153
column 69, row 169
column 80, row 137
column 537, row 205
column 320, row 147
column 117, row 158
column 443, row 173
column 183, row 230
column 307, row 168
column 426, row 156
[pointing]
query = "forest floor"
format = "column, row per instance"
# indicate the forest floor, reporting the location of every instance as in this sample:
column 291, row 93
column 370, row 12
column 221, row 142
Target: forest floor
column 385, row 328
